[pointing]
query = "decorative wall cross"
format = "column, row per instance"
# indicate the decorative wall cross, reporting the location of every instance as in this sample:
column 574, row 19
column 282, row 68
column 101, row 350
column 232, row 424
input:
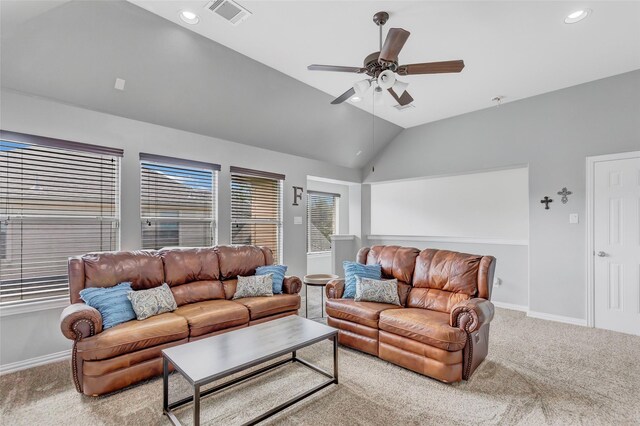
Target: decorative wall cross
column 565, row 195
column 546, row 200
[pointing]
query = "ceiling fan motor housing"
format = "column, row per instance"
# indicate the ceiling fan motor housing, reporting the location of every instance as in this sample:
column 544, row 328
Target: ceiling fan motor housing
column 373, row 66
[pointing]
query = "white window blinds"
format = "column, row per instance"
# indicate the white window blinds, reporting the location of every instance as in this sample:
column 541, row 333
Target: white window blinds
column 322, row 216
column 57, row 199
column 177, row 202
column 256, row 209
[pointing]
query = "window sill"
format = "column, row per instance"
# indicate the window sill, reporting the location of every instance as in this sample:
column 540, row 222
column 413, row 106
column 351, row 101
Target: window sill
column 319, row 253
column 29, row 307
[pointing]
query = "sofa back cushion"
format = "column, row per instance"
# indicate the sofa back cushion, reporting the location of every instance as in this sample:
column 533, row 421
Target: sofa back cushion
column 443, row 278
column 448, row 271
column 142, row 268
column 186, row 265
column 197, row 291
column 242, row 260
column 434, row 299
column 396, row 262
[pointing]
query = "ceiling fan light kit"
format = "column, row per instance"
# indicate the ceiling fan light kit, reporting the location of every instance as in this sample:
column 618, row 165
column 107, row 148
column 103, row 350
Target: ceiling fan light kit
column 382, row 67
column 386, row 79
column 362, row 87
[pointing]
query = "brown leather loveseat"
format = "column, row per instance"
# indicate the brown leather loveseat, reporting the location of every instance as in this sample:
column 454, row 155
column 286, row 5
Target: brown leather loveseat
column 203, row 280
column 442, row 328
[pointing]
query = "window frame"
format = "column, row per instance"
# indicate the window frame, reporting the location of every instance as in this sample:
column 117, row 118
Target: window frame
column 336, row 222
column 38, row 304
column 279, row 179
column 199, row 166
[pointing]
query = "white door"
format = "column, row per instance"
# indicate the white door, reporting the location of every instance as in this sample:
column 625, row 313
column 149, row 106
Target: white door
column 617, row 245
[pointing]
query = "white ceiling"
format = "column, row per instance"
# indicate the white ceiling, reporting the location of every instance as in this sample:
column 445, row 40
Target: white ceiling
column 515, row 49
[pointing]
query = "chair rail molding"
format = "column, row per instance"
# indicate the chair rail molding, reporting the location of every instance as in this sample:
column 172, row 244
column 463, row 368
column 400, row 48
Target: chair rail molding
column 443, row 239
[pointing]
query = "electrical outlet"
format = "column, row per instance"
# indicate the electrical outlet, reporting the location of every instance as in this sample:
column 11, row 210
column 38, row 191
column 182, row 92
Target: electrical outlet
column 297, row 220
column 573, row 218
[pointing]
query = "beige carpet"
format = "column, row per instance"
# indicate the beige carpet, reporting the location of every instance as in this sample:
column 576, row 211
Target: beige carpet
column 537, row 373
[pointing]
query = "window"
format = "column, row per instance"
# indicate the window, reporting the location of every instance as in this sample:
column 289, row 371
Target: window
column 322, row 220
column 256, row 209
column 177, row 202
column 57, row 199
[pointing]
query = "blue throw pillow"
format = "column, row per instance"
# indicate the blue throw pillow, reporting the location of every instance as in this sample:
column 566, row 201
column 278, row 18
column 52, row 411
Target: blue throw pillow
column 278, row 272
column 353, row 269
column 112, row 302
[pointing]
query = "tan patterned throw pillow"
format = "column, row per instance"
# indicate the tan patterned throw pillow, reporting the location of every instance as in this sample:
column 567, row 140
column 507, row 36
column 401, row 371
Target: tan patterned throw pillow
column 383, row 291
column 257, row 285
column 154, row 301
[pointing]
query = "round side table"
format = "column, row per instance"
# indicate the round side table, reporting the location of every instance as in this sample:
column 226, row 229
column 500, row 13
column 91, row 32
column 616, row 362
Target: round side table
column 316, row 280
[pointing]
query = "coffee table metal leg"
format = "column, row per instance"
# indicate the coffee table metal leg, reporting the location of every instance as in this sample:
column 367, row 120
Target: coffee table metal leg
column 306, row 300
column 196, row 405
column 335, row 357
column 165, row 385
column 322, row 302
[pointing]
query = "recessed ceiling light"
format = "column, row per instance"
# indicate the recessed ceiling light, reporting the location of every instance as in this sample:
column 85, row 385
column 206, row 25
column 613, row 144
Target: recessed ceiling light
column 356, row 99
column 189, row 17
column 577, row 16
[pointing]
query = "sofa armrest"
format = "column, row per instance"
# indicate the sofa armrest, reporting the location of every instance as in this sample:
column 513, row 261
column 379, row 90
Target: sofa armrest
column 335, row 288
column 79, row 320
column 291, row 285
column 470, row 315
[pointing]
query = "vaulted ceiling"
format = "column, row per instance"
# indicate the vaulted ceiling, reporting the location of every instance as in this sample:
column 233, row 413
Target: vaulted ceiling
column 250, row 84
column 514, row 49
column 73, row 52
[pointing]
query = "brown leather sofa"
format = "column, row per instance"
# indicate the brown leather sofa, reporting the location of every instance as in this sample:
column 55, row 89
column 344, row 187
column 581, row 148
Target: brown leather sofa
column 442, row 328
column 203, row 282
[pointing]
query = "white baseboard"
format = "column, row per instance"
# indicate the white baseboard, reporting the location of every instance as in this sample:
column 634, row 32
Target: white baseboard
column 34, row 362
column 541, row 315
column 557, row 318
column 512, row 306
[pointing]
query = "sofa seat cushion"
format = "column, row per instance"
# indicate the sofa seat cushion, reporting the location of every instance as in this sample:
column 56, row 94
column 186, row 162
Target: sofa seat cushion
column 260, row 307
column 213, row 315
column 365, row 313
column 425, row 326
column 132, row 336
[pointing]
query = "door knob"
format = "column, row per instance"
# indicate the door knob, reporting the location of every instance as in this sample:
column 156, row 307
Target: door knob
column 601, row 254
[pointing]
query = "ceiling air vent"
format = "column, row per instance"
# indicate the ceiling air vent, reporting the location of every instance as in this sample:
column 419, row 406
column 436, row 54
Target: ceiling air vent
column 404, row 107
column 229, row 10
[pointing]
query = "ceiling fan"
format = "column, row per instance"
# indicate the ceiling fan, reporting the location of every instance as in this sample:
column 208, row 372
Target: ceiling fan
column 382, row 67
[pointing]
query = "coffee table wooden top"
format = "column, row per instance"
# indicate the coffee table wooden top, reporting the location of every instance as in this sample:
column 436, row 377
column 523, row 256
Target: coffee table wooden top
column 215, row 357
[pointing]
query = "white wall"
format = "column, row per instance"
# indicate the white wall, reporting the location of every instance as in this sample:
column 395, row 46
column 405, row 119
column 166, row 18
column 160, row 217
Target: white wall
column 478, row 205
column 481, row 213
column 27, row 114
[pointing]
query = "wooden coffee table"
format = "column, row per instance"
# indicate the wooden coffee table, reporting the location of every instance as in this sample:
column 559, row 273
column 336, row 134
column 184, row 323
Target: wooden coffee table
column 214, row 358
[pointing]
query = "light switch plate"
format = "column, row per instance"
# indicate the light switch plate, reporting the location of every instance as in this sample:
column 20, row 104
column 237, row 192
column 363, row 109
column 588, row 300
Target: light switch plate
column 297, row 220
column 573, row 218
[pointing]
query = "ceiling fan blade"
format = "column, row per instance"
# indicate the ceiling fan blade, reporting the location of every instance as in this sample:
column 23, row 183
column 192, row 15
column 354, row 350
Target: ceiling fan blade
column 346, row 95
column 431, row 68
column 336, row 68
column 403, row 100
column 396, row 38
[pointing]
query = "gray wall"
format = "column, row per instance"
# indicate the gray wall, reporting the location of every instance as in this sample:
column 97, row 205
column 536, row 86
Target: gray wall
column 177, row 78
column 38, row 116
column 511, row 268
column 552, row 133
